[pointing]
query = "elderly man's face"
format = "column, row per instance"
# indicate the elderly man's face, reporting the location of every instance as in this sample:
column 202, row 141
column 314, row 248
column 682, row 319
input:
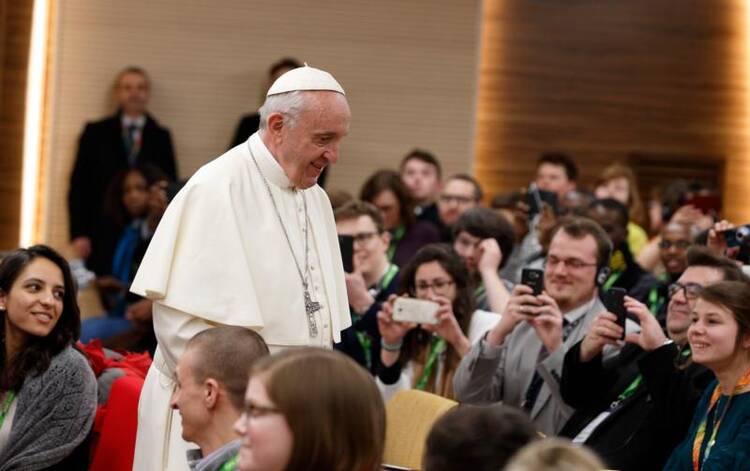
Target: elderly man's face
column 312, row 142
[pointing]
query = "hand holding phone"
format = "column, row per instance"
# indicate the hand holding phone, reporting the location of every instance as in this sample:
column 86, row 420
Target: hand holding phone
column 534, row 279
column 419, row 311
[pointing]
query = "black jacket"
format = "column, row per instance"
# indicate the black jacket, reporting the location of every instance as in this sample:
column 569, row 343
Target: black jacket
column 643, row 430
column 101, row 154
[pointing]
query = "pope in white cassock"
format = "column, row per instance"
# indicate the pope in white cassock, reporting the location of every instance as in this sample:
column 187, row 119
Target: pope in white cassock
column 249, row 241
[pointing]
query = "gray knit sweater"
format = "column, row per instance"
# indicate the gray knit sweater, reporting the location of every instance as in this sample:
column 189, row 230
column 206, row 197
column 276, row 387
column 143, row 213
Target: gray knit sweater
column 54, row 414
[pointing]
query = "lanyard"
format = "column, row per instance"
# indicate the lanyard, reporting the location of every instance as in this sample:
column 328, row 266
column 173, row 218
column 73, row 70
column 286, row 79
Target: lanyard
column 655, row 302
column 364, row 340
column 437, row 346
column 230, row 465
column 611, row 280
column 479, row 291
column 397, row 235
column 743, row 385
column 9, row 396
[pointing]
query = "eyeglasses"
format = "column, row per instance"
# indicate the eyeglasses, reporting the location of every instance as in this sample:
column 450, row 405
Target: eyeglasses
column 447, row 199
column 689, row 290
column 572, row 263
column 678, row 244
column 255, row 411
column 363, row 237
column 438, row 286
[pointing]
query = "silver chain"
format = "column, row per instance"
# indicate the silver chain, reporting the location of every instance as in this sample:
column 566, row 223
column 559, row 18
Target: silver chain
column 302, row 275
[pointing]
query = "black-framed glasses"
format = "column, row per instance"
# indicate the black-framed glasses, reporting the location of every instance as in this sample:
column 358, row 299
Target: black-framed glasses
column 363, row 237
column 689, row 290
column 678, row 244
column 253, row 411
column 572, row 263
column 438, row 286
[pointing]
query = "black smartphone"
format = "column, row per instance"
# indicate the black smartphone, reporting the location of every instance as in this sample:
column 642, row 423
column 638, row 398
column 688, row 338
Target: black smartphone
column 347, row 252
column 535, row 197
column 735, row 237
column 534, row 279
column 614, row 301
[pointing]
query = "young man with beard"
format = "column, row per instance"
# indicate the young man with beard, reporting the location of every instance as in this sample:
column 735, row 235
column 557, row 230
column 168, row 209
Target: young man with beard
column 519, row 362
column 635, row 408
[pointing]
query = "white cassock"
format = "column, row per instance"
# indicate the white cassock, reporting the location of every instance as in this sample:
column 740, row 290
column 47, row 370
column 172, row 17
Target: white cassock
column 220, row 257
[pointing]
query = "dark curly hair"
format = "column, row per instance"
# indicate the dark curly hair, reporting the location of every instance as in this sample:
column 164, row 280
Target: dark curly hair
column 37, row 354
column 389, row 180
column 417, row 340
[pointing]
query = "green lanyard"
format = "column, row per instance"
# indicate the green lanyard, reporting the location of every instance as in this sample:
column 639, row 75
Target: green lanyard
column 388, row 277
column 479, row 291
column 230, row 465
column 655, row 302
column 397, row 235
column 437, row 346
column 364, row 340
column 630, row 390
column 9, row 396
column 612, row 280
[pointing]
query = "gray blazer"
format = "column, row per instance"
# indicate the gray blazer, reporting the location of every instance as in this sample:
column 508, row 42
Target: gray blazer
column 490, row 374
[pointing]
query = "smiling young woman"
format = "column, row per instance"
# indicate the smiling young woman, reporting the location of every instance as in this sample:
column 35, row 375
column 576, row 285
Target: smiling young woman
column 719, row 338
column 47, row 389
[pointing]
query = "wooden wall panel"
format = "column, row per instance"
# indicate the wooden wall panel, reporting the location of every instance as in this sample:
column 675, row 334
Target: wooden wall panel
column 15, row 33
column 603, row 79
column 410, row 70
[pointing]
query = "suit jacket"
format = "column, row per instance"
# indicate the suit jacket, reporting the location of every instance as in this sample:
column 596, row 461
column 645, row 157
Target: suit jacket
column 101, row 154
column 490, row 374
column 644, row 428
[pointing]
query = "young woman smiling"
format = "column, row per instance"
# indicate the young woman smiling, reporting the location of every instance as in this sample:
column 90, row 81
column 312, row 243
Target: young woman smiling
column 47, row 389
column 719, row 338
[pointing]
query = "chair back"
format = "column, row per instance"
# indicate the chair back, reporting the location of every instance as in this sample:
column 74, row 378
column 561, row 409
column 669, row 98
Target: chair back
column 409, row 417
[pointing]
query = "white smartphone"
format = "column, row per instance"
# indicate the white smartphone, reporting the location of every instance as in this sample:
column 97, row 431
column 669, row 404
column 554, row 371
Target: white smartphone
column 415, row 310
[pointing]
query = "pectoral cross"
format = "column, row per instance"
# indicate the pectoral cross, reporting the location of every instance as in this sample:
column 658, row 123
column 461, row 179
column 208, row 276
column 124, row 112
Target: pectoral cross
column 310, row 308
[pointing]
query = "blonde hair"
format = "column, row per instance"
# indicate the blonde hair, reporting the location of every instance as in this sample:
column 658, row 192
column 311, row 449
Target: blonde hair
column 554, row 454
column 635, row 205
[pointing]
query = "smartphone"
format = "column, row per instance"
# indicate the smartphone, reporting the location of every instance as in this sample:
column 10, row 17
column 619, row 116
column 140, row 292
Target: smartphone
column 419, row 311
column 534, row 279
column 347, row 252
column 735, row 237
column 614, row 301
column 535, row 197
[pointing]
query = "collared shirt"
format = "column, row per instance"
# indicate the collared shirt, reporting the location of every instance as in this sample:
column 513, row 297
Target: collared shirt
column 215, row 460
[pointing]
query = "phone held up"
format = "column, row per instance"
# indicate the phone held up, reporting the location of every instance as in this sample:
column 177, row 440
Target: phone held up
column 534, row 279
column 419, row 311
column 614, row 301
column 347, row 252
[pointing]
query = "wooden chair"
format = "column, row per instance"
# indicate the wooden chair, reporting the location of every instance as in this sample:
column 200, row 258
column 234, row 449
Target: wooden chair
column 409, row 418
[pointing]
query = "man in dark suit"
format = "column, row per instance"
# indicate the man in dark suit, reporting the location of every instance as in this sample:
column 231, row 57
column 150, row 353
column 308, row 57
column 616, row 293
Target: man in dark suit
column 129, row 138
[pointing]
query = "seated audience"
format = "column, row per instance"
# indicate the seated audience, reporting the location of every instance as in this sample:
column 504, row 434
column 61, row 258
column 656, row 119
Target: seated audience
column 719, row 337
column 575, row 203
column 483, row 239
column 519, row 362
column 557, row 173
column 311, row 409
column 425, row 356
column 476, row 438
column 421, row 173
column 47, row 388
column 625, row 272
column 618, row 182
column 211, row 377
column 135, row 203
column 460, row 193
column 634, row 409
column 373, row 280
column 385, row 190
column 553, row 454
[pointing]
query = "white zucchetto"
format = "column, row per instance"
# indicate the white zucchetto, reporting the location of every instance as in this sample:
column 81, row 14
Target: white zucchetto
column 305, row 78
